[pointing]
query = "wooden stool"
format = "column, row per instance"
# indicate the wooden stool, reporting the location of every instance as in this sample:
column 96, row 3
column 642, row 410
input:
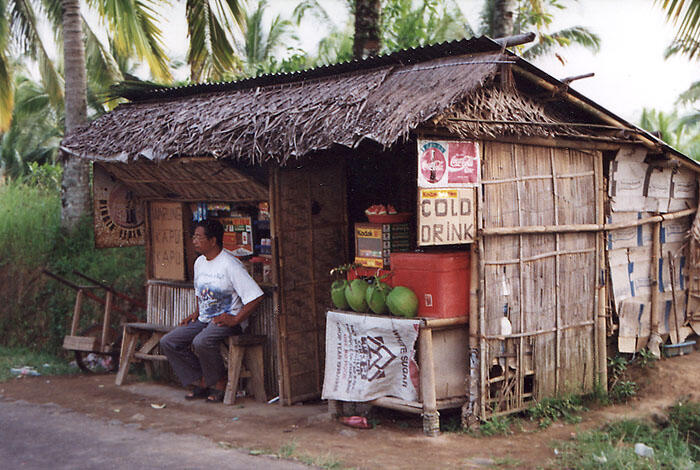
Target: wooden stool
column 149, row 334
column 248, row 350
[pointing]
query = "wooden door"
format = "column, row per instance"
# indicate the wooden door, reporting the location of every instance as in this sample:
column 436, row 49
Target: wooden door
column 545, row 283
column 311, row 231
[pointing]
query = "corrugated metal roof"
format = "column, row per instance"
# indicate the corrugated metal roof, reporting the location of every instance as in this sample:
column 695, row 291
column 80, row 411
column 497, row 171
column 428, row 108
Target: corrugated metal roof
column 403, row 57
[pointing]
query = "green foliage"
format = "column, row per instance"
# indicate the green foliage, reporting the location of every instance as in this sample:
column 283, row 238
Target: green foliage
column 620, row 388
column 680, row 132
column 645, row 358
column 36, row 310
column 496, row 426
column 612, row 447
column 549, row 410
column 407, row 24
column 685, row 416
column 45, row 364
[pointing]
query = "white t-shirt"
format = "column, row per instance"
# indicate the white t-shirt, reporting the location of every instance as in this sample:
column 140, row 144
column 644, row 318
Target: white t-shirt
column 222, row 285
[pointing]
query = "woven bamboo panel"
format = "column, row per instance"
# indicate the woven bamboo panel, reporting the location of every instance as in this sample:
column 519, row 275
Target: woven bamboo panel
column 544, row 283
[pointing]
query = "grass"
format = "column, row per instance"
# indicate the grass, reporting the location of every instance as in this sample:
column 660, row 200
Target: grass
column 612, row 447
column 327, row 461
column 44, row 363
column 549, row 410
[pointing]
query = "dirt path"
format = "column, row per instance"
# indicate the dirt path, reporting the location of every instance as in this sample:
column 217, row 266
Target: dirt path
column 307, row 431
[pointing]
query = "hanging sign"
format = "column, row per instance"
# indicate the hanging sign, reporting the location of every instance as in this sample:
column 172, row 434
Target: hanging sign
column 167, row 251
column 446, row 216
column 443, row 163
column 118, row 214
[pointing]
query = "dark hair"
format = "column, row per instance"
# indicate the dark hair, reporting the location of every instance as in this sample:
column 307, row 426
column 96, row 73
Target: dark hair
column 212, row 228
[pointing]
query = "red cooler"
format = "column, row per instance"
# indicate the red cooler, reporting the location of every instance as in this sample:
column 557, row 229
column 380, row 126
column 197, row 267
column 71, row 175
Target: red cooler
column 440, row 280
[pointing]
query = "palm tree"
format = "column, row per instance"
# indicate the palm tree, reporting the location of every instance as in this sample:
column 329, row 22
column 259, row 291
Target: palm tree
column 367, row 38
column 35, row 131
column 406, row 25
column 258, row 47
column 506, row 17
column 681, row 133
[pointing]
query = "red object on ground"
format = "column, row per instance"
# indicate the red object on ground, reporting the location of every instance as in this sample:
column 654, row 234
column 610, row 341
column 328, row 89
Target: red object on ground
column 440, row 281
column 359, row 422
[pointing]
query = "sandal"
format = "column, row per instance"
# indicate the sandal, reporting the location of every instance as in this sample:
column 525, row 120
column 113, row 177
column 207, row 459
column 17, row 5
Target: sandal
column 215, row 396
column 197, row 392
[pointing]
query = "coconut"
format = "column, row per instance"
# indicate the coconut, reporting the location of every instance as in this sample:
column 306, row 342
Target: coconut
column 338, row 294
column 355, row 294
column 376, row 297
column 402, row 301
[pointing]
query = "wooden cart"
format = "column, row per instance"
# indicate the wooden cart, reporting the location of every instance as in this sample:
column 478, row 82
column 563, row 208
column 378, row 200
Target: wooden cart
column 100, row 337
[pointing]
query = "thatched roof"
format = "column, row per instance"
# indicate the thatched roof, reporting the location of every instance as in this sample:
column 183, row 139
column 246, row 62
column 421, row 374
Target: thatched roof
column 290, row 120
column 383, row 99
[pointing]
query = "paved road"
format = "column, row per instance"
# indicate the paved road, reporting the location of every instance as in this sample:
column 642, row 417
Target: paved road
column 47, row 436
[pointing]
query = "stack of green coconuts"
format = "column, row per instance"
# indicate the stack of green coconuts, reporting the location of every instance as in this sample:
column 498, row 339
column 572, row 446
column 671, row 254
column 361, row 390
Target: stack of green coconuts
column 374, row 296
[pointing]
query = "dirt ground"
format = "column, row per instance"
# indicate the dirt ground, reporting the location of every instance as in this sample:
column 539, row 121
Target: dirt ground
column 307, row 430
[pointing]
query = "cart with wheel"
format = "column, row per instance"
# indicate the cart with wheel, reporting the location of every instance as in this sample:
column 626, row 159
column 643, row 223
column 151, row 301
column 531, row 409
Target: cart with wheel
column 97, row 346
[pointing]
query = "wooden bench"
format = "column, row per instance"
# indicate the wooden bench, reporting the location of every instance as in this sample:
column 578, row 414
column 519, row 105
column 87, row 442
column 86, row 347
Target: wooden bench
column 243, row 355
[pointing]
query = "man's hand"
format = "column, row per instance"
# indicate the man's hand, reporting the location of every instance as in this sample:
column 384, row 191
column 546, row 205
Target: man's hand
column 189, row 319
column 226, row 320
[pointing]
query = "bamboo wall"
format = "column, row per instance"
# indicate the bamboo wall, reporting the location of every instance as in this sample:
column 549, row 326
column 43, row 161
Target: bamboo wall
column 550, row 285
column 170, row 302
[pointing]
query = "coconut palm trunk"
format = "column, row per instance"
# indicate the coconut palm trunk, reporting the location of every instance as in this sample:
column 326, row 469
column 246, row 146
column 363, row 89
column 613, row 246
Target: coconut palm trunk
column 503, row 18
column 75, row 186
column 367, row 41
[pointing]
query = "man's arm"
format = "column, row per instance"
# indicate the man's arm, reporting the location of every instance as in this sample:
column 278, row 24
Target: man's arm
column 191, row 317
column 226, row 319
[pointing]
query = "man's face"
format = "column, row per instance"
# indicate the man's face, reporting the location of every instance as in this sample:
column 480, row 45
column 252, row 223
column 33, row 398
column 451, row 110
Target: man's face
column 201, row 243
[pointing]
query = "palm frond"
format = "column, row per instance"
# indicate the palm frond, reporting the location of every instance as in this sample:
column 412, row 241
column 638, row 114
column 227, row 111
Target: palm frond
column 24, row 24
column 134, row 30
column 691, row 95
column 6, row 93
column 101, row 65
column 685, row 15
column 211, row 53
column 576, row 35
column 314, row 8
column 687, row 46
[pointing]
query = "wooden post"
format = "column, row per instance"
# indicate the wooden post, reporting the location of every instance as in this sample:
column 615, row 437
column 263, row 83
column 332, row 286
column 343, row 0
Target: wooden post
column 599, row 332
column 655, row 256
column 76, row 313
column 431, row 417
column 557, row 282
column 105, row 321
column 482, row 303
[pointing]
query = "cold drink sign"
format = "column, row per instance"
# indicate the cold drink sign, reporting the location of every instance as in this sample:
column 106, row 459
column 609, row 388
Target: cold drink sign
column 443, row 164
column 445, row 216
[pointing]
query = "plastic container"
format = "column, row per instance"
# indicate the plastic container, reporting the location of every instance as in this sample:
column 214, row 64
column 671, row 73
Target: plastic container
column 440, row 281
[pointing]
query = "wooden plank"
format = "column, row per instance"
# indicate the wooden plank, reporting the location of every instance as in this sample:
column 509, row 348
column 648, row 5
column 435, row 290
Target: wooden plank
column 80, row 343
column 76, row 312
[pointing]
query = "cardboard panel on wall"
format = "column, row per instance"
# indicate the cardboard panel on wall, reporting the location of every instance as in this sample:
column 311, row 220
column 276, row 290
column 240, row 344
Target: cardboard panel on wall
column 453, row 164
column 167, row 250
column 637, row 186
column 446, row 216
column 118, row 214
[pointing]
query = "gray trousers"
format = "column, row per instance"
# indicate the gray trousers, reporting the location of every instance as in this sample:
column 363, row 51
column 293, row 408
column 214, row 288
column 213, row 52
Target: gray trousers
column 193, row 351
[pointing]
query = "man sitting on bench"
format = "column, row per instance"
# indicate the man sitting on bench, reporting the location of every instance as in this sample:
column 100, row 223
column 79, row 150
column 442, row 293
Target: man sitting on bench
column 226, row 296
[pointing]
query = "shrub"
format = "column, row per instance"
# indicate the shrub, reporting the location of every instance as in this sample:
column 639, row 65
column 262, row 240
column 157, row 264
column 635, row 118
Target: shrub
column 36, row 310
